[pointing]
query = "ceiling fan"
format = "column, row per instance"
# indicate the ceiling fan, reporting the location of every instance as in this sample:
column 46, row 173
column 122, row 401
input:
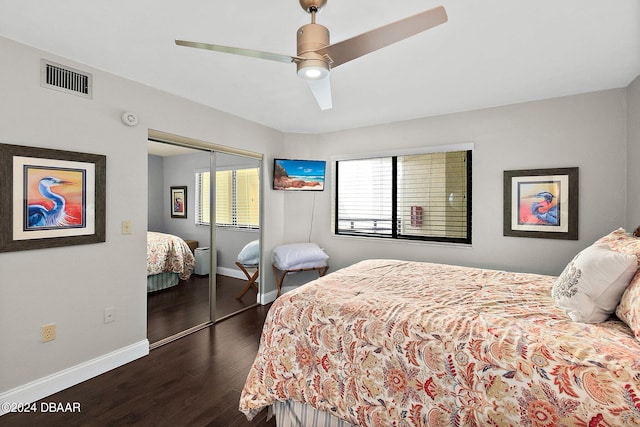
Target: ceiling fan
column 316, row 57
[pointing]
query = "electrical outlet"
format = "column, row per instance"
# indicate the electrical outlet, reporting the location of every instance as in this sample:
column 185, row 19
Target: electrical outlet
column 109, row 315
column 126, row 226
column 48, row 332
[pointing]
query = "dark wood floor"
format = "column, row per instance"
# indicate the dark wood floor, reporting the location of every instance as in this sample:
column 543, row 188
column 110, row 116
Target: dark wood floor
column 186, row 305
column 227, row 288
column 193, row 381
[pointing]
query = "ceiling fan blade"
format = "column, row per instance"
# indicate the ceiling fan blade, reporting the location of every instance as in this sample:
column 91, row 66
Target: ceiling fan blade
column 322, row 92
column 373, row 40
column 237, row 51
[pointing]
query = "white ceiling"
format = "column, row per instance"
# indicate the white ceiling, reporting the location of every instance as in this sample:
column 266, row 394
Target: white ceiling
column 490, row 53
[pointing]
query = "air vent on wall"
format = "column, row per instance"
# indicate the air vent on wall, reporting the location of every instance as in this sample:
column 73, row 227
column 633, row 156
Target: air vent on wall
column 65, row 79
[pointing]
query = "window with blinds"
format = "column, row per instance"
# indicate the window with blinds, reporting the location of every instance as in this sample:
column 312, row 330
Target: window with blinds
column 224, row 197
column 237, row 202
column 247, row 196
column 203, row 193
column 418, row 196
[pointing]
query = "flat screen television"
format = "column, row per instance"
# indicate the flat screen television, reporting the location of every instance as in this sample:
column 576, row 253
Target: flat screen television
column 298, row 175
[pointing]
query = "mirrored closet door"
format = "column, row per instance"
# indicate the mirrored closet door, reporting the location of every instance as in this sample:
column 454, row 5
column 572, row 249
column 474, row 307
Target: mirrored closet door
column 237, row 217
column 221, row 216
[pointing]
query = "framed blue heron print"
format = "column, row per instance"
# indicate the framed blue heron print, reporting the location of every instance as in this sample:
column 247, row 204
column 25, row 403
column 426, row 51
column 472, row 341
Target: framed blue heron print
column 50, row 198
column 541, row 203
column 54, row 197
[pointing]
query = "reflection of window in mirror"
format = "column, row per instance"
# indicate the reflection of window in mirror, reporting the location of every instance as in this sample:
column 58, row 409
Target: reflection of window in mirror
column 237, row 198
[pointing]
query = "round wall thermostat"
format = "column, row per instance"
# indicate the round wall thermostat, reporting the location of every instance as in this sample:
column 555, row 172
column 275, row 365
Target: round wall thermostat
column 129, row 119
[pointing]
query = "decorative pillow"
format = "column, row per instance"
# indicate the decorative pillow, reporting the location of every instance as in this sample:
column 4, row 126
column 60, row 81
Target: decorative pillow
column 298, row 255
column 591, row 285
column 250, row 254
column 629, row 308
column 621, row 241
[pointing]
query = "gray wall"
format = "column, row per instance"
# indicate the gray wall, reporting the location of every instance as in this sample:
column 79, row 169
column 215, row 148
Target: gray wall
column 588, row 131
column 633, row 154
column 155, row 202
column 179, row 171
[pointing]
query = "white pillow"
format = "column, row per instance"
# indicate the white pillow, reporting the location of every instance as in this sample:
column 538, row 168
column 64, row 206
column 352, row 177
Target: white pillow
column 590, row 287
column 295, row 256
column 250, row 254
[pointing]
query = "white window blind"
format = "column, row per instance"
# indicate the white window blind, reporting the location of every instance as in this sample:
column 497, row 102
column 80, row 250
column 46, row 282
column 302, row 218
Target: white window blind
column 237, row 198
column 418, row 196
column 224, row 197
column 203, row 192
column 247, row 197
column 365, row 203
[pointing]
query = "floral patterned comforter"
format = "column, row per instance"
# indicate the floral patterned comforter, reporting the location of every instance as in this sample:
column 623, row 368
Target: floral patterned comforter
column 168, row 253
column 396, row 343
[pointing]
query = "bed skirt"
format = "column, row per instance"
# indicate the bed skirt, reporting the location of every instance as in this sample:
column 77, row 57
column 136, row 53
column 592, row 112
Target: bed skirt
column 161, row 281
column 295, row 414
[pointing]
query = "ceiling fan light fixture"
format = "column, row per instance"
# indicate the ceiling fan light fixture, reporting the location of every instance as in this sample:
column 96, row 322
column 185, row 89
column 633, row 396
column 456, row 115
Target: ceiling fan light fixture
column 312, row 65
column 312, row 71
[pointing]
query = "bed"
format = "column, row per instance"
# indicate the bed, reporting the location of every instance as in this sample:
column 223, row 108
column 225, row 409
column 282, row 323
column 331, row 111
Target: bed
column 390, row 342
column 169, row 260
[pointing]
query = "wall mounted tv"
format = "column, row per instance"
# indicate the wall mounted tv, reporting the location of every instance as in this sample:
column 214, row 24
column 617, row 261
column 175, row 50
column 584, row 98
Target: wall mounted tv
column 298, row 175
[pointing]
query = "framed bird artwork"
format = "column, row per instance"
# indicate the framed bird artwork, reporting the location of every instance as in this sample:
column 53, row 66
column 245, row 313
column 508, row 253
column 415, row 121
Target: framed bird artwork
column 50, row 198
column 178, row 202
column 541, row 203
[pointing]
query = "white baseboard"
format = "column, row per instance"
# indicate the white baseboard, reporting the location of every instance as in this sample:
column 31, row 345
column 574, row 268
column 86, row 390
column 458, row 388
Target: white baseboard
column 51, row 384
column 269, row 297
column 237, row 274
column 231, row 272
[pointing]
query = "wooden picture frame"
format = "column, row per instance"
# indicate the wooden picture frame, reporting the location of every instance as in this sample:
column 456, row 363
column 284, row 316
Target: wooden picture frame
column 541, row 203
column 178, row 201
column 50, row 198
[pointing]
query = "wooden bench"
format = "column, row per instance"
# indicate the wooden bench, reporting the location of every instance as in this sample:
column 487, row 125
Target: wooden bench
column 321, row 269
column 251, row 278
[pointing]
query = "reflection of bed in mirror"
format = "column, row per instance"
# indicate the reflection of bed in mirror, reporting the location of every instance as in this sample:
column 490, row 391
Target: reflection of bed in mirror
column 169, row 260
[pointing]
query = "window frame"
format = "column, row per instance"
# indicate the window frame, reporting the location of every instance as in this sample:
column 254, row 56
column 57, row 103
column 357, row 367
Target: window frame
column 394, row 236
